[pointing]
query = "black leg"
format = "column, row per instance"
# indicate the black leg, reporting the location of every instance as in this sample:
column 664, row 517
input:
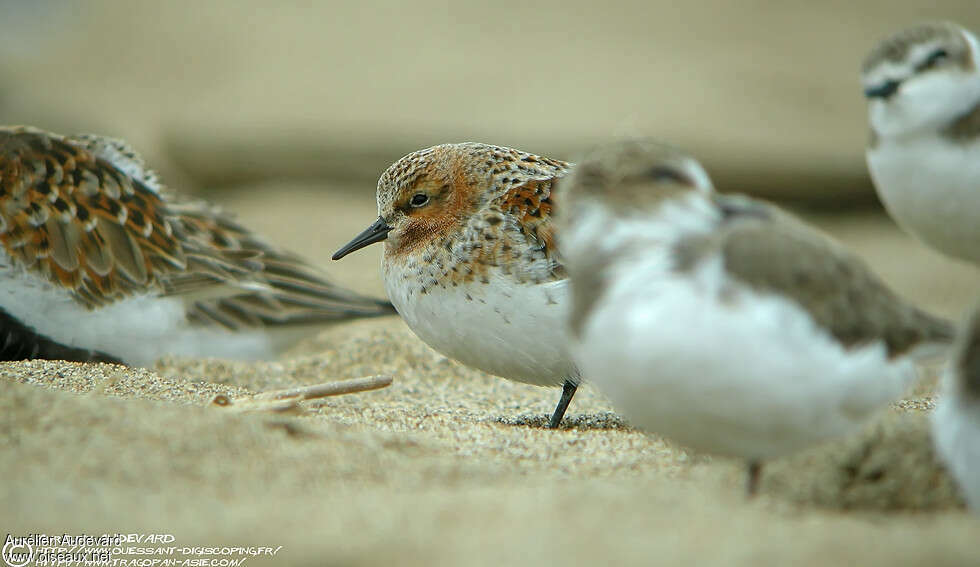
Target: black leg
column 567, row 391
column 752, row 483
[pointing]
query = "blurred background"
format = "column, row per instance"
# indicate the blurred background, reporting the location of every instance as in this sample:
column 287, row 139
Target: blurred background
column 287, row 112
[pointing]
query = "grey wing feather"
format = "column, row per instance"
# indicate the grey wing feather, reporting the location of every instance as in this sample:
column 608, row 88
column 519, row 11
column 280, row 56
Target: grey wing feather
column 773, row 251
column 245, row 282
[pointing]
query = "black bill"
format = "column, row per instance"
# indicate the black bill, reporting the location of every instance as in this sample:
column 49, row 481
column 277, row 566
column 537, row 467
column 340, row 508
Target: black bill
column 374, row 233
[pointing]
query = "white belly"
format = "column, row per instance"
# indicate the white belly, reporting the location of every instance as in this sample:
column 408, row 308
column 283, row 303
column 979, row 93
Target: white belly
column 504, row 328
column 747, row 376
column 956, row 435
column 932, row 190
column 137, row 330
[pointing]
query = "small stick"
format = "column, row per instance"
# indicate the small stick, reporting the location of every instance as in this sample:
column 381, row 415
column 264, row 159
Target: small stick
column 328, row 388
column 289, row 398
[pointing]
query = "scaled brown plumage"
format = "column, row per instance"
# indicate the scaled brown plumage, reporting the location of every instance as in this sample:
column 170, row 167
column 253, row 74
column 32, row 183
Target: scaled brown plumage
column 83, row 213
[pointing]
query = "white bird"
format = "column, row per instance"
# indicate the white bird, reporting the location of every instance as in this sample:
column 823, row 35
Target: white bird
column 722, row 322
column 923, row 91
column 956, row 421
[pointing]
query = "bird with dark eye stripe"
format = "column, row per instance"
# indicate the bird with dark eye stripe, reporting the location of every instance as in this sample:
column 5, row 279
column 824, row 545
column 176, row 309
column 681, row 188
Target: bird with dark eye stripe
column 100, row 262
column 633, row 177
column 667, row 175
column 721, row 322
column 922, row 86
column 935, row 58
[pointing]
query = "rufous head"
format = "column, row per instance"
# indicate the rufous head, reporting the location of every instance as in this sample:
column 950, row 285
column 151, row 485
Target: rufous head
column 921, row 79
column 431, row 192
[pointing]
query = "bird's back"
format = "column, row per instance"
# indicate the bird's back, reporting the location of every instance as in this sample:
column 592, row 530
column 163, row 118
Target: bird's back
column 85, row 226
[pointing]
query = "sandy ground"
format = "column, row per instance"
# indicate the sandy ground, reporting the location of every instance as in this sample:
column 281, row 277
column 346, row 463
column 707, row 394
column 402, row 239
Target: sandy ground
column 449, row 465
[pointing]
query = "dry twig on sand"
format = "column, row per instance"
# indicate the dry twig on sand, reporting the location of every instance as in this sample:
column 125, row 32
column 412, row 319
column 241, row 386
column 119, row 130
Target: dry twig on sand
column 290, row 398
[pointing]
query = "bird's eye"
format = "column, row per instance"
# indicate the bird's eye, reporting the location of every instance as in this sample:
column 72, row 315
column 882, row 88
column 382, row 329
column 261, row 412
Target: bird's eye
column 419, row 200
column 935, row 58
column 667, row 175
